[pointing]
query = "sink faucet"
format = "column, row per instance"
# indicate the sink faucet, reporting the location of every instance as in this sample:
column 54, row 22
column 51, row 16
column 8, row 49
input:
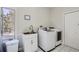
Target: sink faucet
column 31, row 28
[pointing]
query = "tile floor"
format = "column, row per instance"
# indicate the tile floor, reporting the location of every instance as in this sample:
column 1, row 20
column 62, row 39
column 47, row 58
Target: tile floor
column 62, row 48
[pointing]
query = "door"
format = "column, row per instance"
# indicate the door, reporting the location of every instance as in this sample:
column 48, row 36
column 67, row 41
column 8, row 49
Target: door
column 72, row 29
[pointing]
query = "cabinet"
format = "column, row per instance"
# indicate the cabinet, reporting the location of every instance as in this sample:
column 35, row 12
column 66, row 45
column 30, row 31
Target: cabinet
column 30, row 42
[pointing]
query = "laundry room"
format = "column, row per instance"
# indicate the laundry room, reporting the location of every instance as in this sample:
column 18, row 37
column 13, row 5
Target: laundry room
column 39, row 29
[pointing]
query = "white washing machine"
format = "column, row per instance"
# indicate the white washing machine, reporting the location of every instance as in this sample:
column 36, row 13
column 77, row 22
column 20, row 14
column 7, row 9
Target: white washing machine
column 47, row 39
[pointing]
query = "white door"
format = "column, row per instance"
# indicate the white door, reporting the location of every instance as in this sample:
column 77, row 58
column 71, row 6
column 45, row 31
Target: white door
column 72, row 29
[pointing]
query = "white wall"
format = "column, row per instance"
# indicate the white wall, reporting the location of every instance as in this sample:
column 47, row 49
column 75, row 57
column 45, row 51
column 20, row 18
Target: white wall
column 57, row 17
column 39, row 16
